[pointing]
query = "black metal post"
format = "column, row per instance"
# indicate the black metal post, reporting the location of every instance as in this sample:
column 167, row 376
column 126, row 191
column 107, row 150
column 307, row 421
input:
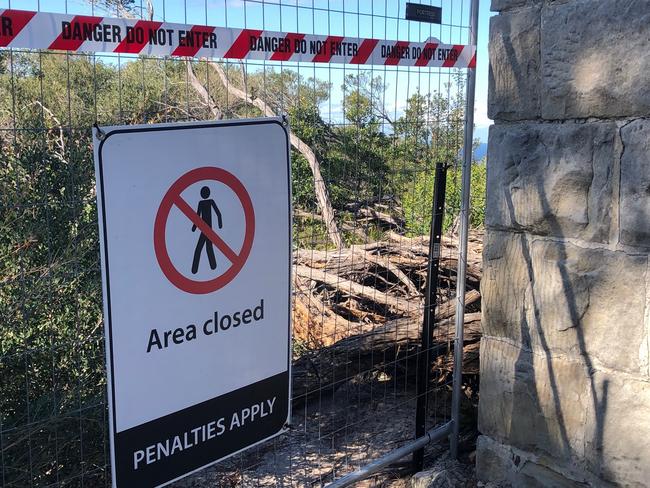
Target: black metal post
column 424, row 354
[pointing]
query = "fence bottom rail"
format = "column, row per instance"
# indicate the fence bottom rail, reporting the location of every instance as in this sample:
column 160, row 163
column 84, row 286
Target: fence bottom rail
column 434, row 435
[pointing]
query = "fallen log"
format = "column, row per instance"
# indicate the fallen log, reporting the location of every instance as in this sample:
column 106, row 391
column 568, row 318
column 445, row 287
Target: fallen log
column 355, row 260
column 329, row 367
column 447, row 308
column 353, row 288
column 381, row 217
column 385, row 262
column 314, row 323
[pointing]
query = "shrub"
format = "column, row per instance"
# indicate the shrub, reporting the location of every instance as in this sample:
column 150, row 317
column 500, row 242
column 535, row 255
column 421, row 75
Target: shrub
column 417, row 200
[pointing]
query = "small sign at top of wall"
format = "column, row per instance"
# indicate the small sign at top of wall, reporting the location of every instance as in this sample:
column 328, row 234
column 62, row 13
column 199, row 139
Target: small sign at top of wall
column 423, row 13
column 195, row 240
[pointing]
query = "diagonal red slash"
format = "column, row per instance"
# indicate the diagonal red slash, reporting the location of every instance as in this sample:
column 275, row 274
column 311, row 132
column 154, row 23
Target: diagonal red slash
column 182, row 205
column 173, row 198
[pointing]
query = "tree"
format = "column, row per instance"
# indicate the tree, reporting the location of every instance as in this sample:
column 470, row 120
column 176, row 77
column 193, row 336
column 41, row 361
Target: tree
column 430, row 132
column 357, row 157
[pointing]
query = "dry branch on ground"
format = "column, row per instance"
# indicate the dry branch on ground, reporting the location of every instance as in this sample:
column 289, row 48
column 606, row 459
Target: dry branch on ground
column 361, row 307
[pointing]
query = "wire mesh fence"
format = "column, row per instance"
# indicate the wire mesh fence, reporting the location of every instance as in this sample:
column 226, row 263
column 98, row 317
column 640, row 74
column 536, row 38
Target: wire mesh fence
column 365, row 143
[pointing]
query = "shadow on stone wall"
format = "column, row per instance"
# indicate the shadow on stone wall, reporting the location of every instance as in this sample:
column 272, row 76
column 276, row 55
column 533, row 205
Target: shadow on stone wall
column 565, row 373
column 599, row 404
column 562, row 307
column 564, row 358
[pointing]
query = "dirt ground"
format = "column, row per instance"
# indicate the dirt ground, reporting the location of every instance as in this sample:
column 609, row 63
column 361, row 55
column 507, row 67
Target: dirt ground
column 338, row 433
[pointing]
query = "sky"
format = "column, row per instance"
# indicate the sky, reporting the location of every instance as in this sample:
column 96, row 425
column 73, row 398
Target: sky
column 380, row 19
column 481, row 121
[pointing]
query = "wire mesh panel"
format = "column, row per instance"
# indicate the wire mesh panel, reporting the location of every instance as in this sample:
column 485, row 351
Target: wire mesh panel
column 365, row 141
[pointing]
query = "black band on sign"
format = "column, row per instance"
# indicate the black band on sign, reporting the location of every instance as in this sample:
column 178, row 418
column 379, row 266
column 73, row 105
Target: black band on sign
column 168, row 447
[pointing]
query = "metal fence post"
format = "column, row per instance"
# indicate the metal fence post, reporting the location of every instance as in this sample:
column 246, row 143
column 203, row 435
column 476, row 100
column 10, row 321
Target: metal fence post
column 425, row 356
column 464, row 230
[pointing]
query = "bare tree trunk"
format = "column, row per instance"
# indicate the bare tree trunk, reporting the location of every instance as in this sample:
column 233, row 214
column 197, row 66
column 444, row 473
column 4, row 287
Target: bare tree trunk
column 353, row 288
column 319, row 184
column 201, row 91
column 150, row 9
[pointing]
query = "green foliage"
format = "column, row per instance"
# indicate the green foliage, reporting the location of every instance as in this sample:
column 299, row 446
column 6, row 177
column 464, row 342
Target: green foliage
column 51, row 347
column 417, row 201
column 310, row 233
column 51, row 338
column 356, row 163
column 302, row 183
column 430, row 132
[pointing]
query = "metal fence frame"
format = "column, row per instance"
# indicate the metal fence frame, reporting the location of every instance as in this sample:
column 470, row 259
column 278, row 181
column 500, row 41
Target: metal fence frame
column 423, row 437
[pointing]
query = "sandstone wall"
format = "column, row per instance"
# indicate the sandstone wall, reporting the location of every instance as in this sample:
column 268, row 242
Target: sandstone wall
column 565, row 367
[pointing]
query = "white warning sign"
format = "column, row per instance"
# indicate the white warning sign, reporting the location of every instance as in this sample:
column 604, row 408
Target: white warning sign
column 196, row 260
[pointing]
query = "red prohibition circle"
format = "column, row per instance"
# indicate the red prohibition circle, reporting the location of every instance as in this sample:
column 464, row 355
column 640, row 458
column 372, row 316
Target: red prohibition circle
column 173, row 198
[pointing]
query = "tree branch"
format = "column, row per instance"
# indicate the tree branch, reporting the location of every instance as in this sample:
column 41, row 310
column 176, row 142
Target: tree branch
column 201, row 91
column 319, row 183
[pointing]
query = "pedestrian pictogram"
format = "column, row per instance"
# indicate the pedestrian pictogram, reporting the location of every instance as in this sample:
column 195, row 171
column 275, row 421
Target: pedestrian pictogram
column 195, row 233
column 201, row 219
column 204, row 211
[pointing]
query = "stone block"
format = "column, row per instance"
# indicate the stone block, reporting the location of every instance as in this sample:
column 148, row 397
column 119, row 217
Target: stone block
column 559, row 298
column 552, row 179
column 494, row 461
column 507, row 466
column 533, row 401
column 505, row 285
column 635, row 184
column 617, row 437
column 514, row 75
column 502, row 5
column 595, row 59
column 535, row 405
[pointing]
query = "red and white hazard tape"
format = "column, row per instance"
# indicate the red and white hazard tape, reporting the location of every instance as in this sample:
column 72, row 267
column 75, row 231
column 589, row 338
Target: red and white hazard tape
column 80, row 33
